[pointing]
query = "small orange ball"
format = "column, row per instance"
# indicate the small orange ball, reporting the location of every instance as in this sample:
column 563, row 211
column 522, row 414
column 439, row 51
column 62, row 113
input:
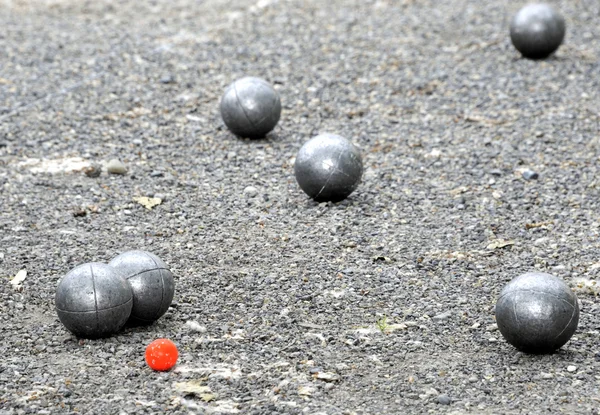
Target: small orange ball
column 161, row 354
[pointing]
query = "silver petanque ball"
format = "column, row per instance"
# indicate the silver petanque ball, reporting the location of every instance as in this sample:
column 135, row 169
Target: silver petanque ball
column 537, row 30
column 537, row 312
column 328, row 168
column 250, row 107
column 93, row 300
column 151, row 281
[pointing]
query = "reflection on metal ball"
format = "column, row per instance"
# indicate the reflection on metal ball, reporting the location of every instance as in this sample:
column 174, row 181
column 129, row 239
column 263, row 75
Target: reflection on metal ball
column 328, row 168
column 537, row 30
column 537, row 313
column 152, row 283
column 93, row 300
column 250, row 107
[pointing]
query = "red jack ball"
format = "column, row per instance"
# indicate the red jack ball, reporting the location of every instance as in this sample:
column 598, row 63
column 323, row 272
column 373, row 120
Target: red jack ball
column 161, row 354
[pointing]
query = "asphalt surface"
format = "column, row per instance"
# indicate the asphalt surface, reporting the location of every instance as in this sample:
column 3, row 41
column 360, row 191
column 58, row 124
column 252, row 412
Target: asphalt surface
column 382, row 303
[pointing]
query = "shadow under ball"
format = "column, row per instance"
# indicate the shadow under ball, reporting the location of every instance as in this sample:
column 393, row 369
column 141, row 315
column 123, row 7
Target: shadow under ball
column 250, row 107
column 151, row 281
column 537, row 313
column 537, row 30
column 328, row 168
column 93, row 300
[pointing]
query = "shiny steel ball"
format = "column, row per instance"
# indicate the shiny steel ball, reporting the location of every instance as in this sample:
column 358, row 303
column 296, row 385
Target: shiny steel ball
column 537, row 30
column 93, row 300
column 537, row 313
column 250, row 107
column 328, row 168
column 151, row 281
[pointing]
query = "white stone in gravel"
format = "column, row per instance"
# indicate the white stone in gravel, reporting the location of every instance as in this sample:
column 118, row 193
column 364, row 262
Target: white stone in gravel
column 428, row 393
column 547, row 375
column 491, row 327
column 239, row 334
column 195, row 326
column 65, row 165
column 327, row 377
column 335, row 293
column 250, row 191
column 442, row 316
column 115, row 166
column 492, row 340
column 571, row 368
column 306, row 390
column 18, row 279
column 367, row 330
column 435, row 153
column 374, row 358
column 229, row 372
column 261, row 4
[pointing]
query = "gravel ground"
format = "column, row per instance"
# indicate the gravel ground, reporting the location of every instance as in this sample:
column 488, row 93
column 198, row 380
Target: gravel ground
column 383, row 303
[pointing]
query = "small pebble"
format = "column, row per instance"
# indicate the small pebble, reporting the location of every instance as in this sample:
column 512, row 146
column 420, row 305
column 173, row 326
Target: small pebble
column 444, row 400
column 116, row 167
column 327, row 376
column 92, row 171
column 442, row 316
column 161, row 196
column 157, row 173
column 167, row 79
column 530, row 175
column 195, row 326
column 250, row 191
column 571, row 369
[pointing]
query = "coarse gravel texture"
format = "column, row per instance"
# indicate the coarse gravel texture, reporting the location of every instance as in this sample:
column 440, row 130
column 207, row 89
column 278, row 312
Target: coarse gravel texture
column 380, row 304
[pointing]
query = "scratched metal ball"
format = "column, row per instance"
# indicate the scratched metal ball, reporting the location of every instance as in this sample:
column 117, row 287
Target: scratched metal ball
column 537, row 30
column 328, row 168
column 250, row 107
column 537, row 313
column 152, row 283
column 93, row 300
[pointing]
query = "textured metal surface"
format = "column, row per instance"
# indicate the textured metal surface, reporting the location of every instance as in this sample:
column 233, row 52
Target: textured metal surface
column 537, row 312
column 93, row 301
column 250, row 107
column 328, row 168
column 151, row 281
column 537, row 30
